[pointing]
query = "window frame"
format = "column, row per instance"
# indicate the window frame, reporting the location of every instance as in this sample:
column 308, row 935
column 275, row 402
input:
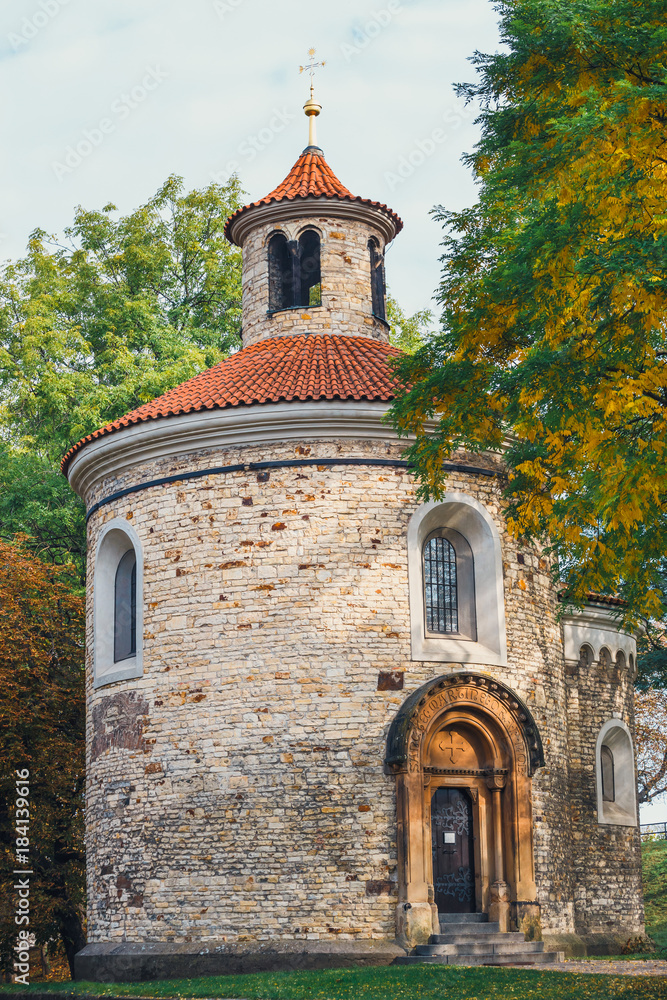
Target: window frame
column 465, row 585
column 378, row 280
column 281, row 276
column 622, row 810
column 116, row 539
column 286, row 275
column 123, row 637
column 305, row 236
column 608, row 793
column 464, row 517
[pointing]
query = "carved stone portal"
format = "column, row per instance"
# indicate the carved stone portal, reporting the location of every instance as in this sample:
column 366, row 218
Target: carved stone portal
column 463, row 749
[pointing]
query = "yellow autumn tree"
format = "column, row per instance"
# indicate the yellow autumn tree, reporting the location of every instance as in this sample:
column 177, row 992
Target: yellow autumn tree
column 554, row 294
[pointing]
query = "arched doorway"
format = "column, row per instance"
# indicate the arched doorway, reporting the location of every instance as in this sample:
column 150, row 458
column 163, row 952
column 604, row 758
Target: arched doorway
column 463, row 749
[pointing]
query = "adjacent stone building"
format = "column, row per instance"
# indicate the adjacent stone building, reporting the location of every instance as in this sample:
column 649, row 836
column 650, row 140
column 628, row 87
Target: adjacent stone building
column 324, row 717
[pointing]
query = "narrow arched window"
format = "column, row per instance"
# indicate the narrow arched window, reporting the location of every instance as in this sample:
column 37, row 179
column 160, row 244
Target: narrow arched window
column 281, row 273
column 309, row 269
column 607, row 774
column 377, row 279
column 440, row 586
column 125, row 608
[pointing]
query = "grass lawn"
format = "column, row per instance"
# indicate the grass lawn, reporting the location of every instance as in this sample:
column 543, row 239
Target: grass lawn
column 388, row 983
column 654, row 875
column 419, row 982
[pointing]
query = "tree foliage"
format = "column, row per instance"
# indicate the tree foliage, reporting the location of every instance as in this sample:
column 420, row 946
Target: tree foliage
column 36, row 501
column 554, row 293
column 651, row 743
column 124, row 309
column 409, row 333
column 42, row 729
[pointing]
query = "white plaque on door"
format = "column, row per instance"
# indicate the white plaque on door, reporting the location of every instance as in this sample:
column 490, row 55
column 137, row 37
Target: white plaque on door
column 450, row 837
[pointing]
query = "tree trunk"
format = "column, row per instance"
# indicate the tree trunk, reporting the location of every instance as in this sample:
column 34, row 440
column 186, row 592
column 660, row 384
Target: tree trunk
column 73, row 937
column 44, row 959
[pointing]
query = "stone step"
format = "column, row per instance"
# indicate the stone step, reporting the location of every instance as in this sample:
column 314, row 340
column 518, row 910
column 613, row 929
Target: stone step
column 521, row 958
column 471, row 930
column 465, row 936
column 482, row 948
column 463, row 918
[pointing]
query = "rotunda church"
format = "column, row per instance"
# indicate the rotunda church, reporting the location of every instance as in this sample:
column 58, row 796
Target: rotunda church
column 327, row 723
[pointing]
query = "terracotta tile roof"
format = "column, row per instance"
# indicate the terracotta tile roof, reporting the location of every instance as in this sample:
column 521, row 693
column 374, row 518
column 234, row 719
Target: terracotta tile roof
column 281, row 369
column 594, row 598
column 311, row 176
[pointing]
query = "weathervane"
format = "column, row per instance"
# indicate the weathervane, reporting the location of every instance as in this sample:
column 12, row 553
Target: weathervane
column 311, row 107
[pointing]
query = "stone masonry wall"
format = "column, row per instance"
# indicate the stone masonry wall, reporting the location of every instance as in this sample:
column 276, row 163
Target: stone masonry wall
column 346, row 283
column 236, row 791
column 606, row 858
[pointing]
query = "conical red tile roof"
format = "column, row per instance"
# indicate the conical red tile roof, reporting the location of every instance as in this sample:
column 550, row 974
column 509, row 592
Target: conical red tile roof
column 281, row 369
column 311, row 176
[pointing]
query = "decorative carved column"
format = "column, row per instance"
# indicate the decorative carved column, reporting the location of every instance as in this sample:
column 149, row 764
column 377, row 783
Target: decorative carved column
column 414, row 915
column 499, row 898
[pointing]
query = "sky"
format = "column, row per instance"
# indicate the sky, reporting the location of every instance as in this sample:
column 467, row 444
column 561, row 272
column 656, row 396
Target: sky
column 105, row 99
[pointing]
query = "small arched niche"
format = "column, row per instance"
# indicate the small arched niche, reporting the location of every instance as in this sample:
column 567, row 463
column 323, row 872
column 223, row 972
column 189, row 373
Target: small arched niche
column 118, row 605
column 586, row 655
column 615, row 775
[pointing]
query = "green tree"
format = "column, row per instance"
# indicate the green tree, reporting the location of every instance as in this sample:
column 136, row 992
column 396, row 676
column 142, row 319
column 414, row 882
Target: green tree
column 42, row 731
column 124, row 309
column 554, row 294
column 408, row 332
column 36, row 501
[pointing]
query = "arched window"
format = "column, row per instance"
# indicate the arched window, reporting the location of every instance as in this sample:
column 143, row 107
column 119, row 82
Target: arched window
column 455, row 576
column 295, row 279
column 310, row 274
column 615, row 775
column 281, row 273
column 607, row 774
column 377, row 279
column 118, row 604
column 125, row 608
column 440, row 597
column 449, row 586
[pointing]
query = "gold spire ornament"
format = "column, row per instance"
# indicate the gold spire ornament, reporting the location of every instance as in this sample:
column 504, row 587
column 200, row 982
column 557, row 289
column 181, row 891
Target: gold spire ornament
column 311, row 107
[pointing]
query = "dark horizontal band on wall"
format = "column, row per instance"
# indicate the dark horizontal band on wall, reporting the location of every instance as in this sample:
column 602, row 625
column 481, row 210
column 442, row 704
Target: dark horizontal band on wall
column 294, row 463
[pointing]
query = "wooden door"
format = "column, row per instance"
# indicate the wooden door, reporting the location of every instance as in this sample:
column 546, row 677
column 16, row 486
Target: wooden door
column 453, row 850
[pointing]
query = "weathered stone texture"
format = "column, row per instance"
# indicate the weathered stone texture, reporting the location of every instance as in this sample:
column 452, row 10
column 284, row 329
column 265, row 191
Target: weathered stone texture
column 242, row 798
column 346, row 283
column 606, row 859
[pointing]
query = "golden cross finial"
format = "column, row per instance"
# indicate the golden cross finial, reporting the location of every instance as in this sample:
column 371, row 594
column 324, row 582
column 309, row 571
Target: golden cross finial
column 311, row 107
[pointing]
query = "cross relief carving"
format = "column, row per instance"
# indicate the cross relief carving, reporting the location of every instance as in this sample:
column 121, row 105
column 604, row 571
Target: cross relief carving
column 452, row 744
